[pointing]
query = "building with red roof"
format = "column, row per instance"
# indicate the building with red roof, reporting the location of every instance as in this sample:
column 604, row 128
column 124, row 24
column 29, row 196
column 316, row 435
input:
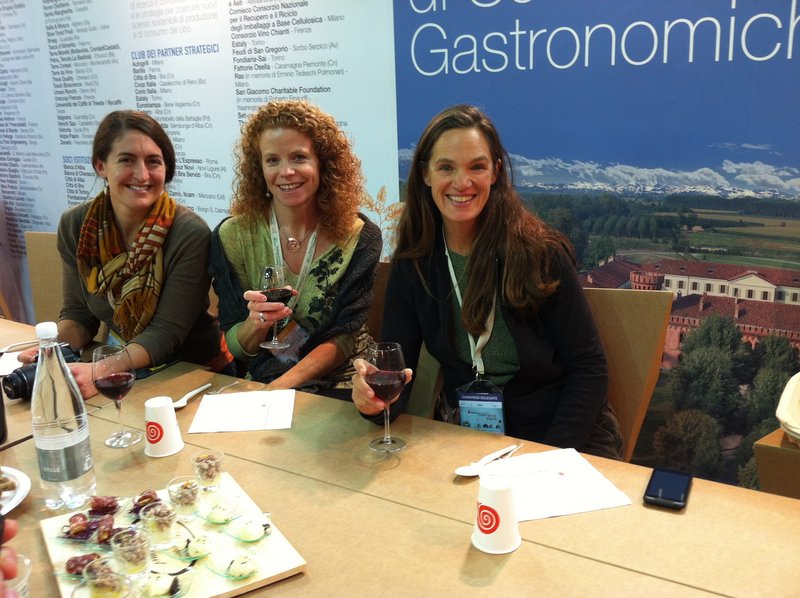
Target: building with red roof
column 761, row 301
column 755, row 319
column 614, row 273
column 684, row 277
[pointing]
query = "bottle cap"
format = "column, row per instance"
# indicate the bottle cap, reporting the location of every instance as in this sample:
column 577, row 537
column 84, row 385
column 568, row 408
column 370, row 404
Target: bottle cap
column 46, row 330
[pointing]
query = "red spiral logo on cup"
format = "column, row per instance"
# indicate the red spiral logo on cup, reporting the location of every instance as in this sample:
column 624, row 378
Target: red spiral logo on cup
column 154, row 432
column 488, row 519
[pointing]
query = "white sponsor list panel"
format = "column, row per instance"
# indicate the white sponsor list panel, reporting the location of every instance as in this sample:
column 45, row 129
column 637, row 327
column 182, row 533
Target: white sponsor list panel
column 200, row 67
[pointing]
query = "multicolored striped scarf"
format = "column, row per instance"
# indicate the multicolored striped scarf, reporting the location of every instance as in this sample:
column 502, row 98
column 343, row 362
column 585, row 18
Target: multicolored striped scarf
column 131, row 280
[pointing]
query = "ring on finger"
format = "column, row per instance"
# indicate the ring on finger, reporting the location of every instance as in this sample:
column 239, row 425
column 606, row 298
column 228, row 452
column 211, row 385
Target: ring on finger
column 261, row 317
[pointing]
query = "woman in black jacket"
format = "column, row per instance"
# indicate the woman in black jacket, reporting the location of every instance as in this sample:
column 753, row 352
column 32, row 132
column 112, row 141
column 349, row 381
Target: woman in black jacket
column 492, row 291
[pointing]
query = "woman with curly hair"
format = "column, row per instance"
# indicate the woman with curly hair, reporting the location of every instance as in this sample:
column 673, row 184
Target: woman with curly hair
column 492, row 291
column 297, row 189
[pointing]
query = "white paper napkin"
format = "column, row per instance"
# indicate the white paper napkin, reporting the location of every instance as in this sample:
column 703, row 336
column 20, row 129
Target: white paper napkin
column 239, row 411
column 554, row 483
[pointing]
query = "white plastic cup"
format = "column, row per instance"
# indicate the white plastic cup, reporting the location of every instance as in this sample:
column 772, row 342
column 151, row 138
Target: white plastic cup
column 496, row 528
column 162, row 434
column 20, row 583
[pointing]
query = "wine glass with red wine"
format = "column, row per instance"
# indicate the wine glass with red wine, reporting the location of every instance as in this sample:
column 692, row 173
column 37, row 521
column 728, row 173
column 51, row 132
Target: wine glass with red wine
column 113, row 375
column 273, row 283
column 386, row 377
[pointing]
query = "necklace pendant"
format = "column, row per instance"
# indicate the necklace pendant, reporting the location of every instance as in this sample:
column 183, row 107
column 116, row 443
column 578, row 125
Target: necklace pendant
column 292, row 244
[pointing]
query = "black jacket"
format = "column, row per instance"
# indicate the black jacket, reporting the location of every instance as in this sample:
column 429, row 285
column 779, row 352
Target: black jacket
column 559, row 391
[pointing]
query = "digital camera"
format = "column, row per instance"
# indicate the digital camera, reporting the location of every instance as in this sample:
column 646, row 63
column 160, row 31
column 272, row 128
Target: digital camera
column 19, row 383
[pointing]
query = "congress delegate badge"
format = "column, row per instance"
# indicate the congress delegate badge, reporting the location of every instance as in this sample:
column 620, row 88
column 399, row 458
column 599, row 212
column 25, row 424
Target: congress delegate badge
column 480, row 404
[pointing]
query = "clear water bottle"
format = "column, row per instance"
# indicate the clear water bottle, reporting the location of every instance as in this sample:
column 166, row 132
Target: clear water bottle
column 60, row 427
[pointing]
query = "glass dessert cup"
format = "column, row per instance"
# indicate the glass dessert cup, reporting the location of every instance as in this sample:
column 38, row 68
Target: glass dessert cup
column 159, row 519
column 132, row 547
column 184, row 493
column 208, row 469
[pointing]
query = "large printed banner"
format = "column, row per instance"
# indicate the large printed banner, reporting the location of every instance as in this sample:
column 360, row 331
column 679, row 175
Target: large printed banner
column 644, row 97
column 634, row 96
column 200, row 67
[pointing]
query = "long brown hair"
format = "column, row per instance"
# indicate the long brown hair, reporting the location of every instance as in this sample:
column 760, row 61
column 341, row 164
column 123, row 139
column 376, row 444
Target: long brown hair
column 341, row 183
column 508, row 232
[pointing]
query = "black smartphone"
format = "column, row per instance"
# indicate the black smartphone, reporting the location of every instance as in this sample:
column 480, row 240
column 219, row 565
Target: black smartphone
column 668, row 488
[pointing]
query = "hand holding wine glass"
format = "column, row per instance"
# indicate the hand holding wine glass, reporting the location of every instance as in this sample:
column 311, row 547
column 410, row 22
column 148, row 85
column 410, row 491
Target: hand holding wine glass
column 386, row 377
column 113, row 375
column 272, row 286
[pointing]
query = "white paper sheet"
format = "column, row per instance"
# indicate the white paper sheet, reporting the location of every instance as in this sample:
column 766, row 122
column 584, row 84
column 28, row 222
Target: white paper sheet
column 9, row 363
column 554, row 483
column 238, row 411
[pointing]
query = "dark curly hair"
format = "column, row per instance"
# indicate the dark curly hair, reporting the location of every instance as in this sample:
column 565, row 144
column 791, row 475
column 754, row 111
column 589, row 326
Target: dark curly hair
column 341, row 184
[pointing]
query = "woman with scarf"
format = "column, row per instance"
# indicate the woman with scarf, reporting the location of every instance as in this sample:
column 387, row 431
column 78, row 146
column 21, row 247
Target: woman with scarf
column 297, row 189
column 134, row 259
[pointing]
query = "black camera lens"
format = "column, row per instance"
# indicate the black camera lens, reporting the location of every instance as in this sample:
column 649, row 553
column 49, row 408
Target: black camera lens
column 19, row 383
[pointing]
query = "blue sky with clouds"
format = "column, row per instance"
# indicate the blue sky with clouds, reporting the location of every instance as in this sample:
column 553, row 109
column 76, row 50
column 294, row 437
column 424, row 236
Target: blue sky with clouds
column 652, row 118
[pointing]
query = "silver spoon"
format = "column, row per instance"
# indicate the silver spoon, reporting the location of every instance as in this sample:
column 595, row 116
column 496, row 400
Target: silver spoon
column 181, row 403
column 474, row 469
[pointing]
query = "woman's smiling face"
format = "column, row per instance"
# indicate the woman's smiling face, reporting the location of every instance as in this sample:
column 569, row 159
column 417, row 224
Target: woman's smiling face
column 290, row 166
column 461, row 173
column 135, row 171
